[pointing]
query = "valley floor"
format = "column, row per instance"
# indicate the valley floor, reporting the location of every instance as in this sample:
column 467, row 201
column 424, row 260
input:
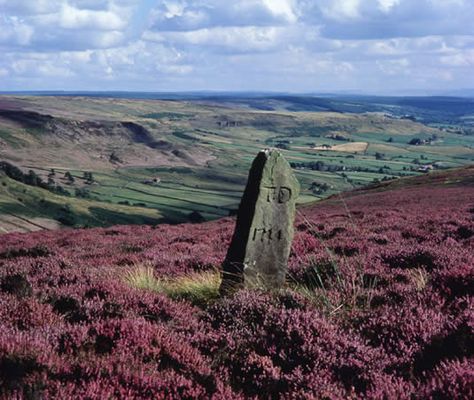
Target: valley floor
column 155, row 161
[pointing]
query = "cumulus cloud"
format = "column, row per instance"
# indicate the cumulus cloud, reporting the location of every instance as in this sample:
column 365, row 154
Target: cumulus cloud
column 291, row 45
column 176, row 15
column 74, row 18
column 64, row 25
column 27, row 7
column 233, row 39
column 458, row 58
column 372, row 19
column 14, row 31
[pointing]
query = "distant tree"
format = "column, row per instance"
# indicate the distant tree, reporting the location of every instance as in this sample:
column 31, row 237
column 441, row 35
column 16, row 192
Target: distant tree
column 69, row 177
column 88, row 177
column 319, row 187
column 82, row 193
column 114, row 158
column 32, row 178
column 415, row 142
column 60, row 190
column 390, row 140
column 12, row 171
column 379, row 156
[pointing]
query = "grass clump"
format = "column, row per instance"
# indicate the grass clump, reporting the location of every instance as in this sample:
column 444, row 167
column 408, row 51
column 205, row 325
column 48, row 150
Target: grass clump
column 143, row 277
column 200, row 288
column 419, row 278
column 340, row 295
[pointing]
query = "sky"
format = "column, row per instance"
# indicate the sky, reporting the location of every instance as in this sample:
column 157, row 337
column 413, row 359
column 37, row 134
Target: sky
column 301, row 46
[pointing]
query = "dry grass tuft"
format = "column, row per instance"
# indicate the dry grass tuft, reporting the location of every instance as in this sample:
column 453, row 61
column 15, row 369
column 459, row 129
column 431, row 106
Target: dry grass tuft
column 199, row 288
column 419, row 278
column 143, row 277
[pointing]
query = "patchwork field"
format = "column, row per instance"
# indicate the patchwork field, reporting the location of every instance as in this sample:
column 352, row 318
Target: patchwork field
column 179, row 160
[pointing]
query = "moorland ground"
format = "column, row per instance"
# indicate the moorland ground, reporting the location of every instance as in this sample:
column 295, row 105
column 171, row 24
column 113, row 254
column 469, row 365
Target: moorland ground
column 378, row 305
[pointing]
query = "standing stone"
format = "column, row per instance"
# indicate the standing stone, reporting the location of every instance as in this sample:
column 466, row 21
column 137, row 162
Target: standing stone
column 258, row 253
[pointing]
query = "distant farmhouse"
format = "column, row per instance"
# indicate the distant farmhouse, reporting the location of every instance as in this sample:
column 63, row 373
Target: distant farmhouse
column 152, row 181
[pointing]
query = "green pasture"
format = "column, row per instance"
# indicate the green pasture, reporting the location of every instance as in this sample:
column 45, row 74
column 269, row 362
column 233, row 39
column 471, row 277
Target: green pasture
column 23, row 205
column 125, row 194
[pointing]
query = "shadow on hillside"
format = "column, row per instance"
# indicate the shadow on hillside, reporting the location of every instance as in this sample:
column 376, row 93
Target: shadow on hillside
column 68, row 216
column 108, row 218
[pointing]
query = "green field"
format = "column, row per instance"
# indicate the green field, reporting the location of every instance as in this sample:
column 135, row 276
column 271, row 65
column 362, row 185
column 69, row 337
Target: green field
column 160, row 161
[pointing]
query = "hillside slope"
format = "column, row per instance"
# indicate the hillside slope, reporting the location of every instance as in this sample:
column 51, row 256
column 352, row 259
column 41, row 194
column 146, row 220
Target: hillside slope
column 379, row 305
column 25, row 208
column 182, row 157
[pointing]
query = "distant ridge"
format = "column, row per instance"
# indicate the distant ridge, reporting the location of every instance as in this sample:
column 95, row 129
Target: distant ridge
column 431, row 109
column 460, row 93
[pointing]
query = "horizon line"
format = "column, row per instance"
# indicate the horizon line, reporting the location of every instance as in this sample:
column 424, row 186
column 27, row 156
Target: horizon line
column 468, row 92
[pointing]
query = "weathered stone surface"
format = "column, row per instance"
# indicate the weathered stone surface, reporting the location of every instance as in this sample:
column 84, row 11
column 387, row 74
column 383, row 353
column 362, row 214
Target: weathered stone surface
column 258, row 253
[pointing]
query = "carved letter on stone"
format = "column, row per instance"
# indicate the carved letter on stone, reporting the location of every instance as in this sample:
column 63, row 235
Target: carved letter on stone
column 284, row 195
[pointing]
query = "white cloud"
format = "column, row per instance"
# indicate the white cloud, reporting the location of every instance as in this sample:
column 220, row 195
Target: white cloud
column 459, row 59
column 284, row 8
column 299, row 45
column 74, row 18
column 341, row 9
column 178, row 15
column 28, row 7
column 64, row 25
column 14, row 31
column 175, row 69
column 371, row 19
column 386, row 5
column 52, row 70
column 227, row 39
column 394, row 67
